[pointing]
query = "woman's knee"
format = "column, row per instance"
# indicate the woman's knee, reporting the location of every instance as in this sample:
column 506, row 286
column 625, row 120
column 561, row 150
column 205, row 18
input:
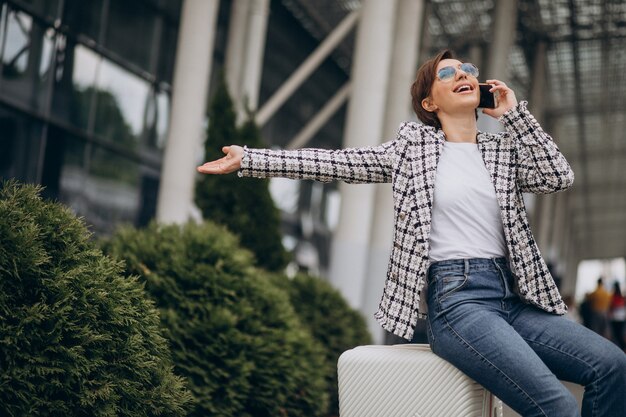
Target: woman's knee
column 557, row 401
column 613, row 367
column 567, row 404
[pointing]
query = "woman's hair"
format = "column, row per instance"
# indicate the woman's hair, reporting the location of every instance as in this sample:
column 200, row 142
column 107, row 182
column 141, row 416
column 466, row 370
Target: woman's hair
column 423, row 84
column 422, row 87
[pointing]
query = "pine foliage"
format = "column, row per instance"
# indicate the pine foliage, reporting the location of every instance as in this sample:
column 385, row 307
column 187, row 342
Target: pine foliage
column 243, row 205
column 332, row 322
column 234, row 334
column 77, row 338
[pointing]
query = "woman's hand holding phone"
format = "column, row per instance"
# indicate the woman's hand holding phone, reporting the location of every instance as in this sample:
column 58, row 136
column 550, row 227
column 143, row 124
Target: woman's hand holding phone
column 506, row 99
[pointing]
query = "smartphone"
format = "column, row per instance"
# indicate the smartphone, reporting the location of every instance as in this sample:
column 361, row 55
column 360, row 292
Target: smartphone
column 487, row 98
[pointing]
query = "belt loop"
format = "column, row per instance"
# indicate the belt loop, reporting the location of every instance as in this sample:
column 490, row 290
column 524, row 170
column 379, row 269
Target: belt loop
column 467, row 267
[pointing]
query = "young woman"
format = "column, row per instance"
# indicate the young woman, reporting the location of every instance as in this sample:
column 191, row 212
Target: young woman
column 464, row 257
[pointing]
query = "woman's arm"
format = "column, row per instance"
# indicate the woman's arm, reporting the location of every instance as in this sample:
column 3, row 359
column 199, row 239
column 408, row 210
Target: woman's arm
column 542, row 168
column 352, row 165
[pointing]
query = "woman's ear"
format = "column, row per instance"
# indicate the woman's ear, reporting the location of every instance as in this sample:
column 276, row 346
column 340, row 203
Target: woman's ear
column 428, row 105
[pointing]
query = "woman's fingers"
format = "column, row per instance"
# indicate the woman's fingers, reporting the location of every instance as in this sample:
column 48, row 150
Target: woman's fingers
column 230, row 163
column 505, row 98
column 218, row 166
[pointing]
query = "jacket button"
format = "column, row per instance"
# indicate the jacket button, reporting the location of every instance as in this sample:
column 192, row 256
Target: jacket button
column 394, row 276
column 402, row 215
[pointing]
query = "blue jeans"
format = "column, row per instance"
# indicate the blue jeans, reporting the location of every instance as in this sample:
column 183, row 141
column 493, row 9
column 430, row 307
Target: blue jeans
column 516, row 350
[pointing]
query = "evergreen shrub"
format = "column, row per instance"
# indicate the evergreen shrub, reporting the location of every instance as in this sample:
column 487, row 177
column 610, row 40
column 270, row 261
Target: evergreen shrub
column 332, row 322
column 243, row 205
column 234, row 334
column 77, row 337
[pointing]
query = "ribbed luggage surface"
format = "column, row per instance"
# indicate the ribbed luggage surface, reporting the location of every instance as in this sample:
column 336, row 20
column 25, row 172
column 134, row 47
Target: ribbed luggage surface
column 408, row 381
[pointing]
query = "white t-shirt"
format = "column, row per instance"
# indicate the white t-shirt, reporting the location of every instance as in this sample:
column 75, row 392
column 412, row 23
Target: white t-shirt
column 466, row 220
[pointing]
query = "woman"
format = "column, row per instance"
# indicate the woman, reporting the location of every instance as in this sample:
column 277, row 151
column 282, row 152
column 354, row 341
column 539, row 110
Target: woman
column 463, row 255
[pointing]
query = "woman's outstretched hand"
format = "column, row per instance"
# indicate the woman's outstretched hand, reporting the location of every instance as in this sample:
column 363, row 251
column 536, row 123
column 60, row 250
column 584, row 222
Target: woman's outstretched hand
column 505, row 98
column 230, row 163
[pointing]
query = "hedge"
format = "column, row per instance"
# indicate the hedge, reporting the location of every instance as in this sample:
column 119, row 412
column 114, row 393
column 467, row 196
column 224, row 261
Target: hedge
column 328, row 317
column 234, row 334
column 77, row 337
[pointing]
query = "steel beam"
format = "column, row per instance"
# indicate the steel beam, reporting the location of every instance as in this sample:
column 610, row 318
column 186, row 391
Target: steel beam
column 303, row 72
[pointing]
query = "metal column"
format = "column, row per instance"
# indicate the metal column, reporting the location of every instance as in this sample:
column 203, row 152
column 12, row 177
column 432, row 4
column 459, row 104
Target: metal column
column 189, row 90
column 505, row 28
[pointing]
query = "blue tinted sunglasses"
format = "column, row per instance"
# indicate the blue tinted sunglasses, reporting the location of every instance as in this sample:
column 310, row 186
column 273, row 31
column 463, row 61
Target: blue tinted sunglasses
column 448, row 73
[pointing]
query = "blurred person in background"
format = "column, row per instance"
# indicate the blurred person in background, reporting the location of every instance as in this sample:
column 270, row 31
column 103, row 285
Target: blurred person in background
column 617, row 315
column 461, row 232
column 599, row 302
column 585, row 311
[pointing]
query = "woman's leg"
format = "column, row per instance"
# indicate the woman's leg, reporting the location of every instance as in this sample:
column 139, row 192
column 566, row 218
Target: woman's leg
column 468, row 326
column 577, row 354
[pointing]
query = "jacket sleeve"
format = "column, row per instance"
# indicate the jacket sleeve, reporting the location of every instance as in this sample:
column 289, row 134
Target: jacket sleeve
column 542, row 168
column 352, row 165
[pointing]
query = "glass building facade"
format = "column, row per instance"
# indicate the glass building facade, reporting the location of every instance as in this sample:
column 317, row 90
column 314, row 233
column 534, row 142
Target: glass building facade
column 85, row 92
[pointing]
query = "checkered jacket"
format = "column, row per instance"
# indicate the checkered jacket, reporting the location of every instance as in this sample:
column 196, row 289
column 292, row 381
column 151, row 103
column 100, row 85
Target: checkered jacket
column 523, row 158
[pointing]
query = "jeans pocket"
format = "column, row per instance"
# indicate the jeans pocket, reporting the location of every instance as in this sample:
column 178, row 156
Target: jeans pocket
column 448, row 283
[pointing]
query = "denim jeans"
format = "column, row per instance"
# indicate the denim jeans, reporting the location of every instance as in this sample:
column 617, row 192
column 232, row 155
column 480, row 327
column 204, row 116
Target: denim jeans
column 516, row 350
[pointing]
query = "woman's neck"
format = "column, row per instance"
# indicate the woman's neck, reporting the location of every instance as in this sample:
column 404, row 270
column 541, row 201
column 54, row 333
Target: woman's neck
column 459, row 128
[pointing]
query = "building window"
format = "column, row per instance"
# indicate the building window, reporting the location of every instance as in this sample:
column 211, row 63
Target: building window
column 27, row 49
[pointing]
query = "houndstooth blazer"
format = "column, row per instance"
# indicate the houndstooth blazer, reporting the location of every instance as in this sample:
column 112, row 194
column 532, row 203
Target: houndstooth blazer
column 523, row 158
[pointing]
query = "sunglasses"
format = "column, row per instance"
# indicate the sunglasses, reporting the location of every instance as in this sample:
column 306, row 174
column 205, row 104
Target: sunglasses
column 448, row 73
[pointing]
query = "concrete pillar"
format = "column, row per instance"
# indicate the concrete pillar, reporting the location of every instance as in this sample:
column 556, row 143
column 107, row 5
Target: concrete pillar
column 189, row 90
column 569, row 263
column 544, row 207
column 364, row 127
column 537, row 102
column 236, row 46
column 560, row 220
column 408, row 29
column 247, row 33
column 475, row 56
column 544, row 223
column 570, row 279
column 504, row 31
column 503, row 38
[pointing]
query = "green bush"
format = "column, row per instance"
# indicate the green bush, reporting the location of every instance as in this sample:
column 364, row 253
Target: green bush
column 77, row 338
column 234, row 334
column 332, row 322
column 244, row 205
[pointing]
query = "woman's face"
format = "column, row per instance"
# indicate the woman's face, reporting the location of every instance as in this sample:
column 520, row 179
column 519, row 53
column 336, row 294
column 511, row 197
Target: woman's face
column 459, row 93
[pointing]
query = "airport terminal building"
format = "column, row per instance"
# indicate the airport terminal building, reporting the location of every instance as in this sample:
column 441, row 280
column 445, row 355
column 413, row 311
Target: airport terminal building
column 103, row 102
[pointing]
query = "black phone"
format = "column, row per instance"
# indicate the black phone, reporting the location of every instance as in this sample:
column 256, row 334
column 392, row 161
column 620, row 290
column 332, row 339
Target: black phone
column 487, row 98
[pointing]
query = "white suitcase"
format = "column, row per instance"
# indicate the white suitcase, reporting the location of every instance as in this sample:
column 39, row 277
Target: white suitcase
column 408, row 381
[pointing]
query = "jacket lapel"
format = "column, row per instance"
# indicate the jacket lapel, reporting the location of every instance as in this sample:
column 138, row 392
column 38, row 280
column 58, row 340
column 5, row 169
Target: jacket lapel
column 424, row 165
column 490, row 163
column 496, row 162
